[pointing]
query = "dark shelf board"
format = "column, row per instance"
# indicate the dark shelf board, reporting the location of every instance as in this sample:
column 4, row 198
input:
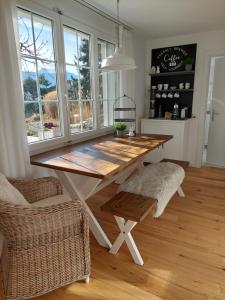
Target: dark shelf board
column 172, row 73
column 124, row 120
column 176, row 90
column 125, row 109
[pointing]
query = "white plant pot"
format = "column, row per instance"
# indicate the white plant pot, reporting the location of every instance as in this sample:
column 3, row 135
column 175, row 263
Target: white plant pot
column 120, row 133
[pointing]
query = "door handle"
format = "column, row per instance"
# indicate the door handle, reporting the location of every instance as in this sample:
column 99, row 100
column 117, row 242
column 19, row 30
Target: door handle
column 214, row 113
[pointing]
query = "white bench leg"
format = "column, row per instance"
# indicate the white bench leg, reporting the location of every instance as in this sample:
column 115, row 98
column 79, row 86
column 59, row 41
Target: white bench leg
column 125, row 235
column 180, row 192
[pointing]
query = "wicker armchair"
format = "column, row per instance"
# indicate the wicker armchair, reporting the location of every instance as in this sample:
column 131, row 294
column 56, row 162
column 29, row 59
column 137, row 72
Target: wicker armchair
column 45, row 247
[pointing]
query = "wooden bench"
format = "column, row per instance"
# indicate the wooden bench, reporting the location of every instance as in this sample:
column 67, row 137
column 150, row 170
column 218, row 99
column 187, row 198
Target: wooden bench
column 129, row 210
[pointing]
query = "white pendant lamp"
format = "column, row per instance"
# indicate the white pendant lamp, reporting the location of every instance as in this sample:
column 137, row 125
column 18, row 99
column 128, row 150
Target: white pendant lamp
column 118, row 61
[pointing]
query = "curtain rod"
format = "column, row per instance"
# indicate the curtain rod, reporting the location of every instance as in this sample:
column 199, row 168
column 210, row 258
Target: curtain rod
column 102, row 13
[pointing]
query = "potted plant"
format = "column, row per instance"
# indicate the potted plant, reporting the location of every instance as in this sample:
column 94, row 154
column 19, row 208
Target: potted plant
column 120, row 129
column 188, row 62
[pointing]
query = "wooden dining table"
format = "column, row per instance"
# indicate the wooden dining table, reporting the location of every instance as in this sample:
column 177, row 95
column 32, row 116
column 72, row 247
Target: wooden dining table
column 87, row 167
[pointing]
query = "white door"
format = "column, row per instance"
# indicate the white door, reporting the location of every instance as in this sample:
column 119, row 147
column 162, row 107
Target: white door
column 214, row 153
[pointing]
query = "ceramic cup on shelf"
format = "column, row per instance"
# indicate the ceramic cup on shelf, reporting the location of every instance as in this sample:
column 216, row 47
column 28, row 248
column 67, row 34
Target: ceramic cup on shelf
column 158, row 95
column 165, row 86
column 181, row 86
column 153, row 69
column 160, row 86
column 164, row 95
column 170, row 95
column 187, row 85
column 176, row 95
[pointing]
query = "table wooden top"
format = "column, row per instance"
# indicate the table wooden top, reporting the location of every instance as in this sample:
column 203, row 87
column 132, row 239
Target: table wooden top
column 100, row 157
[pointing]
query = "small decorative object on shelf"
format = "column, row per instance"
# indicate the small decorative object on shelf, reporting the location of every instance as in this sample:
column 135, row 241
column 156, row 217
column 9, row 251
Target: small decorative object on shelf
column 152, row 103
column 187, row 85
column 124, row 112
column 188, row 62
column 158, row 70
column 176, row 111
column 153, row 69
column 168, row 115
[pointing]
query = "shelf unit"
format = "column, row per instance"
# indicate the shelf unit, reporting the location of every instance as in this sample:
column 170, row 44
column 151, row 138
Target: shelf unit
column 178, row 73
column 174, row 90
column 173, row 79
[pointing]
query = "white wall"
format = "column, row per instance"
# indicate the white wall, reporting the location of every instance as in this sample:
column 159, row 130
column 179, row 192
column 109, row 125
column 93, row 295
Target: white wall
column 208, row 44
column 140, row 59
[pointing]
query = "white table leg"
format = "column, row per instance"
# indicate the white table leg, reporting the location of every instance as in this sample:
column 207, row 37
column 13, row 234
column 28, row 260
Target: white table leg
column 126, row 173
column 125, row 236
column 82, row 187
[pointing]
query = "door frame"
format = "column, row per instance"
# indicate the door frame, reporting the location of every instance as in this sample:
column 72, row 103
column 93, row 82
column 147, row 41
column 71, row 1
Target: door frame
column 204, row 98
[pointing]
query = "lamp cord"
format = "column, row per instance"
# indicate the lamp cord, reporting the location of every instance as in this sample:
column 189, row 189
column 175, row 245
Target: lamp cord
column 118, row 26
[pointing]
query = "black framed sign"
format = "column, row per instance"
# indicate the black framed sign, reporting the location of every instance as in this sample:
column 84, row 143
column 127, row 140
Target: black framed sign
column 171, row 59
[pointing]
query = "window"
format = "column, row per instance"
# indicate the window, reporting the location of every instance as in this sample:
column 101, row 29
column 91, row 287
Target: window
column 107, row 85
column 39, row 77
column 56, row 59
column 78, row 80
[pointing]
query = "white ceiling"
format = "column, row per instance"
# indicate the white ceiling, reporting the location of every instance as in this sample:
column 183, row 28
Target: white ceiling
column 161, row 18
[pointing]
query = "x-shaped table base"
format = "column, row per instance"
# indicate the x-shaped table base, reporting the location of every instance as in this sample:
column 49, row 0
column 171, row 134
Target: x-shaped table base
column 125, row 236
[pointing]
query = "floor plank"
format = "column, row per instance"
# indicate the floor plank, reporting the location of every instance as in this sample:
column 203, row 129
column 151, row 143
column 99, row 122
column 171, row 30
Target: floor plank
column 183, row 250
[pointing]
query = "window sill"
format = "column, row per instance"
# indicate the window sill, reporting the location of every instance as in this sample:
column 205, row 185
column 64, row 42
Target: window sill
column 45, row 146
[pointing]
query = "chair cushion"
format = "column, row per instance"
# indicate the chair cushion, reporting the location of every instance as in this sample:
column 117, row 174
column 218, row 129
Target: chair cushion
column 10, row 194
column 158, row 181
column 58, row 199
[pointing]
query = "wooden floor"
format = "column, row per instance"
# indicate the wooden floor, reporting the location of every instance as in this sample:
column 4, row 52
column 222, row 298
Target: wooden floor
column 184, row 250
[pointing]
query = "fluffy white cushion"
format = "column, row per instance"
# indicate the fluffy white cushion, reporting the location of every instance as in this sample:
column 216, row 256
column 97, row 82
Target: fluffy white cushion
column 58, row 199
column 158, row 181
column 10, row 194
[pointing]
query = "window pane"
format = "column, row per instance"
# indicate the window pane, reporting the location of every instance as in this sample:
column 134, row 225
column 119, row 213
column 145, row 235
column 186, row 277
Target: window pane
column 78, row 77
column 83, row 46
column 72, row 77
column 70, row 45
column 74, row 115
column 51, row 121
column 111, row 95
column 85, row 83
column 26, row 41
column 47, row 80
column 29, row 76
column 43, row 38
column 107, row 85
column 39, row 76
column 101, row 52
column 104, row 113
column 33, row 124
column 87, row 112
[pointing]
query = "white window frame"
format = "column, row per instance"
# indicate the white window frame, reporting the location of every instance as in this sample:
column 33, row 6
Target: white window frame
column 58, row 22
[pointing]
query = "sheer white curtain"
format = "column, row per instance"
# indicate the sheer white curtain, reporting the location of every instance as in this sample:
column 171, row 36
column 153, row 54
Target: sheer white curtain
column 127, row 78
column 14, row 154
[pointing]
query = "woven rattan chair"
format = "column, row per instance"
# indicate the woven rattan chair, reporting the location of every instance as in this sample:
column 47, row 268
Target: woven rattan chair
column 44, row 247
